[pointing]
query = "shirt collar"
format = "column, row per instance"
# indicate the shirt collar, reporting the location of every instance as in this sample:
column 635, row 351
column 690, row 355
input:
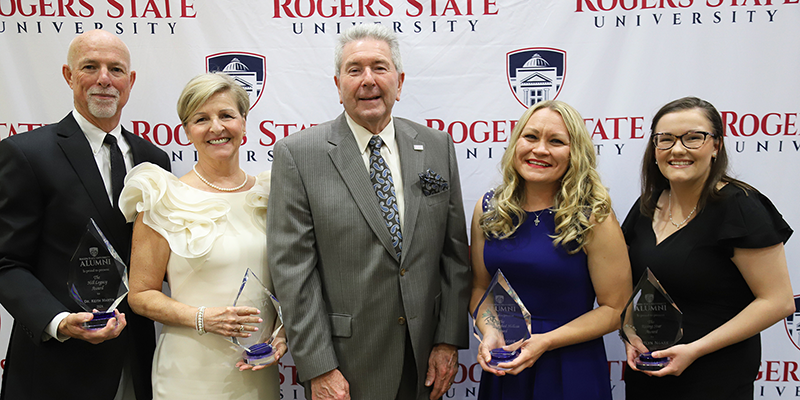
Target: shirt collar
column 363, row 135
column 94, row 134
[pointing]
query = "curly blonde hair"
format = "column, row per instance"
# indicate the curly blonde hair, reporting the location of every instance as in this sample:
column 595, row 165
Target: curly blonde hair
column 580, row 197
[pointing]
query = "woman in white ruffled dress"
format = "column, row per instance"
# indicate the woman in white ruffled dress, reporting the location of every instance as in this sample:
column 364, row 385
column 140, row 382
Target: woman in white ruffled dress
column 202, row 232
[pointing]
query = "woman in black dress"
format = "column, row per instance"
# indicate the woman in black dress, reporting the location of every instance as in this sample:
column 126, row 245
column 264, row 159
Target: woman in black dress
column 716, row 246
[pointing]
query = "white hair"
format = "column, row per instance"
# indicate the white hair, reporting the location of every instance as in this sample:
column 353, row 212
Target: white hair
column 368, row 31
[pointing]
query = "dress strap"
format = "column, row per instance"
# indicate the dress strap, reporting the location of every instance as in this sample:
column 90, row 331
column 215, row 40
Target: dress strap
column 486, row 203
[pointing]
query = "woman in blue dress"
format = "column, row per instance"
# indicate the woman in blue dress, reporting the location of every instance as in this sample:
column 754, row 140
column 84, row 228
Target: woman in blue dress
column 550, row 228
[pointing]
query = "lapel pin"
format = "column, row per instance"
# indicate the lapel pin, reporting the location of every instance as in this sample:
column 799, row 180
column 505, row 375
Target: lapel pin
column 418, row 147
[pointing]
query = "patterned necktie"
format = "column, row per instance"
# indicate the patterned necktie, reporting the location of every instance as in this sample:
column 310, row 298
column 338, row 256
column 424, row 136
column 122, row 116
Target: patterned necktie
column 382, row 182
column 117, row 168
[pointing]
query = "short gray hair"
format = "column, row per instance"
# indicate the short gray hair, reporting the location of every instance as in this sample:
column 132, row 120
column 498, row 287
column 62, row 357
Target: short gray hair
column 368, row 31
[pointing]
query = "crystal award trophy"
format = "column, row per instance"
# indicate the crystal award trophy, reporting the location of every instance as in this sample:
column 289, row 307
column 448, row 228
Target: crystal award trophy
column 650, row 322
column 258, row 347
column 98, row 278
column 501, row 321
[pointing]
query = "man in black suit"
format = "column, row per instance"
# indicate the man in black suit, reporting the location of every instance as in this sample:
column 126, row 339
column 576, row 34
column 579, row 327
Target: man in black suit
column 52, row 181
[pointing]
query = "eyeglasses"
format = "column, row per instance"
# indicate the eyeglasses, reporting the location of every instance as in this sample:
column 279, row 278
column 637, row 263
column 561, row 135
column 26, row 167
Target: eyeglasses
column 690, row 140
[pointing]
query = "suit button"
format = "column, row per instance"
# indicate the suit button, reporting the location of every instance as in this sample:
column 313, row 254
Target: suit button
column 402, row 271
column 401, row 321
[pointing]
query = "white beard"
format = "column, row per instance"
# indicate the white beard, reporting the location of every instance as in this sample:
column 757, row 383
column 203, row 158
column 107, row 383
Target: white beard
column 103, row 108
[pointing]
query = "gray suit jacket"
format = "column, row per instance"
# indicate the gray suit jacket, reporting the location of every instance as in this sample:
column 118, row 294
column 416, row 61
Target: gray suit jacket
column 347, row 301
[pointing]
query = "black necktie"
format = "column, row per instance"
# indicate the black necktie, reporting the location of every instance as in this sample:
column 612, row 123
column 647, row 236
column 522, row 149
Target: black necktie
column 117, row 168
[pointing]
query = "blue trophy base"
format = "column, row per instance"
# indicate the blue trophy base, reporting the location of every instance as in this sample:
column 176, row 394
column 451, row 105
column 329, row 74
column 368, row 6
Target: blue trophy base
column 99, row 321
column 646, row 362
column 502, row 356
column 259, row 354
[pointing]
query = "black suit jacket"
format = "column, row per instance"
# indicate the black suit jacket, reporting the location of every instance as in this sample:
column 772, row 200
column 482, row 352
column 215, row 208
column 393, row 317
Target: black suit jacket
column 49, row 188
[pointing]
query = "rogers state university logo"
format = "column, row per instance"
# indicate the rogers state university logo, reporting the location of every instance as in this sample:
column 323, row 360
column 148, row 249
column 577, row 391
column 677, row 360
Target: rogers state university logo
column 536, row 73
column 792, row 323
column 247, row 69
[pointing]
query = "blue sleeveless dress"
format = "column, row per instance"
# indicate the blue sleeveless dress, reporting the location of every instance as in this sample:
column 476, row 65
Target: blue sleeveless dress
column 555, row 288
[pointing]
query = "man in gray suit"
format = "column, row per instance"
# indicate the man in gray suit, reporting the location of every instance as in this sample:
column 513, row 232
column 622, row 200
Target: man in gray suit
column 367, row 241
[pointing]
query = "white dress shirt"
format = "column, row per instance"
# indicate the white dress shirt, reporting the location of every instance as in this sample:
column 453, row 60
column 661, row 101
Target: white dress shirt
column 102, row 152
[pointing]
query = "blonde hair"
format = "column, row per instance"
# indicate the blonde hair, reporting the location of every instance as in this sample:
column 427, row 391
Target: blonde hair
column 203, row 86
column 580, row 197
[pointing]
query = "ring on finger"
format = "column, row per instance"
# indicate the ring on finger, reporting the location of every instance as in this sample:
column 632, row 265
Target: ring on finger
column 241, row 328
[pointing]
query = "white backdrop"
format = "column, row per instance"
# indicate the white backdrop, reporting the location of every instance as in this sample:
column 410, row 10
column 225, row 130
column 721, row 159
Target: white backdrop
column 617, row 61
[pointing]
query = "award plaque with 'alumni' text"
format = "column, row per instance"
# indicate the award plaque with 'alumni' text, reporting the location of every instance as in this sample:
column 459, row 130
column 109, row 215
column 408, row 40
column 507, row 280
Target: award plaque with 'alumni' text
column 650, row 322
column 257, row 349
column 98, row 278
column 501, row 322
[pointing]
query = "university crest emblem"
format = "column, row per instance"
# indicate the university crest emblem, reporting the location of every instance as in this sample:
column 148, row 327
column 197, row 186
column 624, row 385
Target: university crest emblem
column 536, row 73
column 247, row 69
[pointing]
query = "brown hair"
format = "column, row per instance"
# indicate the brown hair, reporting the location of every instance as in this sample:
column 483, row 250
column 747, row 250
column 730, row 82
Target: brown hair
column 654, row 182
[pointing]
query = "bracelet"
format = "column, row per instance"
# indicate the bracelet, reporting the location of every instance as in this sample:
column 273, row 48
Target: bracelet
column 199, row 319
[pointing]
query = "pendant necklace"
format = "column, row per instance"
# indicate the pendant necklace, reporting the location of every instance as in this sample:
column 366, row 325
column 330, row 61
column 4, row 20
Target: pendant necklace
column 677, row 225
column 536, row 219
column 213, row 186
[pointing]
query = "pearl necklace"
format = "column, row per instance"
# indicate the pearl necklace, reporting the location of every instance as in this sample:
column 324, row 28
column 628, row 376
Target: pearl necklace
column 213, row 186
column 670, row 213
